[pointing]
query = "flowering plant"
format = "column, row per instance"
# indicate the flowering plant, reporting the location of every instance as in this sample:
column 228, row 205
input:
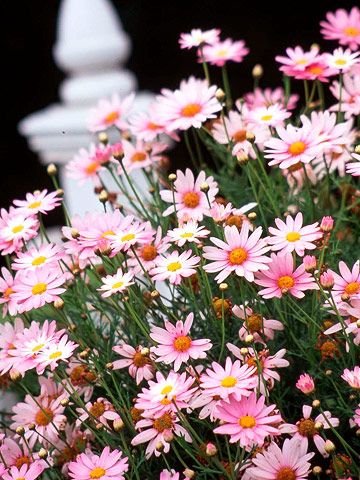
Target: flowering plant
column 208, row 327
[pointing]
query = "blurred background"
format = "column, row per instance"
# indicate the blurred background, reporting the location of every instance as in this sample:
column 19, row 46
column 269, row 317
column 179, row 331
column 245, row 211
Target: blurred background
column 31, row 79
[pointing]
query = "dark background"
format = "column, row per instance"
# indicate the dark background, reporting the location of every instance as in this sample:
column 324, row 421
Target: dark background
column 30, row 78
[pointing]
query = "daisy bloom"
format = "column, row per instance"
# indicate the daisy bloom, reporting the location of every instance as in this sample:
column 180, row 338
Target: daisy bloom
column 169, row 475
column 248, row 421
column 343, row 26
column 110, row 112
column 54, row 353
column 139, row 361
column 297, row 60
column 271, row 116
column 354, row 167
column 34, row 258
column 356, row 418
column 100, row 411
column 352, row 377
column 197, row 38
column 234, row 128
column 223, row 51
column 190, row 201
column 305, row 384
column 174, row 267
column 291, row 235
column 175, row 345
column 148, row 253
column 38, row 202
column 187, row 232
column 291, row 462
column 8, row 334
column 25, row 472
column 342, row 60
column 87, row 164
column 129, row 234
column 16, row 228
column 240, row 253
column 347, row 283
column 189, row 106
column 110, row 465
column 141, row 154
column 116, row 283
column 281, row 278
column 349, row 93
column 6, row 290
column 256, row 325
column 267, row 97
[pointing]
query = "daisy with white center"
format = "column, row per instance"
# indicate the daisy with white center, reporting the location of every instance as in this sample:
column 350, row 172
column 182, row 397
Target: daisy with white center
column 197, row 38
column 187, row 232
column 341, row 59
column 271, row 116
column 37, row 202
column 174, row 267
column 292, row 235
column 110, row 112
column 37, row 257
column 116, row 283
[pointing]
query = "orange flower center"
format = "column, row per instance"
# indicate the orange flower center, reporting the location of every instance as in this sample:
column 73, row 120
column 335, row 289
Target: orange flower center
column 172, row 267
column 293, row 236
column 111, row 117
column 149, row 252
column 182, row 343
column 190, row 110
column 39, row 288
column 8, row 292
column 191, row 199
column 247, row 421
column 163, row 423
column 138, row 157
column 38, row 261
column 97, row 409
column 352, row 287
column 23, row 460
column 239, row 136
column 92, row 167
column 229, row 382
column 306, row 427
column 286, row 473
column 236, row 220
column 254, row 322
column 285, row 282
column 297, row 148
column 351, row 31
column 238, row 256
column 17, row 229
column 140, row 360
column 34, row 204
column 97, row 472
column 315, row 69
column 44, row 417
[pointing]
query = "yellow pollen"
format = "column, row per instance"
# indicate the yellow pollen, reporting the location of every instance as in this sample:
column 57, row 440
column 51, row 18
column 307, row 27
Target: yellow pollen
column 182, row 344
column 38, row 347
column 301, row 61
column 191, row 199
column 297, row 148
column 293, row 236
column 229, row 382
column 39, row 288
column 352, row 287
column 21, row 478
column 166, row 390
column 222, row 53
column 186, row 235
column 38, row 261
column 117, row 285
column 351, row 31
column 165, row 401
column 286, row 282
column 127, row 237
column 107, row 232
column 286, row 473
column 172, row 267
column 238, row 256
column 92, row 167
column 8, row 292
column 340, row 61
column 111, row 117
column 247, row 421
column 138, row 157
column 266, row 118
column 55, row 355
column 17, row 229
column 163, row 423
column 34, row 204
column 97, row 472
column 190, row 110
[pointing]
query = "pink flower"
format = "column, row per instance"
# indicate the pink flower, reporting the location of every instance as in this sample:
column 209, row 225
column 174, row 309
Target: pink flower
column 116, row 283
column 100, row 411
column 110, row 112
column 267, row 97
column 189, row 106
column 234, row 380
column 356, row 418
column 175, row 345
column 352, row 377
column 148, row 253
column 297, row 60
column 87, row 164
column 327, row 224
column 348, row 282
column 234, row 128
column 108, row 466
column 197, row 38
column 35, row 258
column 306, row 384
column 137, row 359
column 26, row 472
column 341, row 60
column 350, row 95
column 16, row 228
column 187, row 232
column 271, row 116
column 167, row 475
column 247, row 421
column 53, row 353
column 240, row 253
column 290, row 462
column 6, row 290
column 141, row 155
column 190, row 202
column 255, row 324
column 353, row 168
column 343, row 26
column 281, row 278
column 293, row 236
column 38, row 202
column 310, row 263
column 8, row 334
column 174, row 267
column 128, row 234
column 327, row 280
column 223, row 51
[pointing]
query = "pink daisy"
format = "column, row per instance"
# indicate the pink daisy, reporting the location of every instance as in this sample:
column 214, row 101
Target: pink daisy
column 110, row 465
column 356, row 418
column 281, row 278
column 305, row 384
column 248, row 421
column 350, row 95
column 139, row 362
column 16, row 228
column 197, row 38
column 38, row 202
column 87, row 164
column 175, row 345
column 174, row 267
column 143, row 126
column 353, row 168
column 189, row 106
column 6, row 289
column 272, row 116
column 187, row 232
column 54, row 353
column 342, row 60
column 128, row 234
column 343, row 26
column 34, row 258
column 267, row 97
column 348, row 282
column 116, row 283
column 352, row 377
column 224, row 51
column 169, row 475
column 100, row 411
column 291, row 235
column 141, row 154
column 240, row 253
column 291, row 462
column 297, row 60
column 8, row 334
column 110, row 112
column 190, row 202
column 255, row 324
column 25, row 472
column 148, row 253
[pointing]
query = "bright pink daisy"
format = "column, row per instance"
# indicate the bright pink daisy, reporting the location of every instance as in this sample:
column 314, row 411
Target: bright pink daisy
column 174, row 267
column 343, row 26
column 25, row 472
column 291, row 235
column 169, row 475
column 110, row 465
column 34, row 258
column 348, row 282
column 281, row 278
column 38, row 202
column 175, row 345
column 223, row 51
column 248, row 421
column 143, row 126
column 16, row 228
column 110, row 112
column 139, row 361
column 197, row 38
column 240, row 253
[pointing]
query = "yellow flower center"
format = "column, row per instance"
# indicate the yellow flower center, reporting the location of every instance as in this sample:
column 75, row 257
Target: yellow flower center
column 247, row 421
column 266, row 118
column 172, row 267
column 285, row 282
column 39, row 288
column 17, row 229
column 182, row 344
column 301, row 61
column 187, row 235
column 34, row 204
column 111, row 117
column 293, row 236
column 190, row 110
column 97, row 472
column 352, row 287
column 229, row 382
column 106, row 233
column 166, row 390
column 191, row 199
column 55, row 355
column 21, row 478
column 238, row 256
column 138, row 157
column 286, row 473
column 117, row 285
column 340, row 61
column 297, row 148
column 351, row 31
column 92, row 167
column 38, row 347
column 127, row 237
column 8, row 292
column 38, row 261
column 44, row 417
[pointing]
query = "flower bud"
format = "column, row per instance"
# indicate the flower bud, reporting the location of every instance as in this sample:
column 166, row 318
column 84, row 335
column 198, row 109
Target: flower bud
column 327, row 280
column 305, row 384
column 75, row 233
column 317, row 470
column 103, row 138
column 155, row 294
column 252, row 216
column 250, row 137
column 244, row 351
column 43, row 453
column 15, row 375
column 168, row 436
column 65, row 402
column 220, row 95
column 249, row 338
column 223, row 287
column 309, row 262
column 189, row 473
column 257, row 71
column 172, row 177
column 358, row 323
column 327, row 224
column 51, row 169
column 59, row 304
column 145, row 351
column 328, row 372
column 329, row 446
column 109, row 366
column 118, row 424
column 20, row 430
column 242, row 158
column 103, row 196
column 318, row 426
column 211, row 449
column 316, row 403
column 204, row 187
column 357, row 149
column 31, row 426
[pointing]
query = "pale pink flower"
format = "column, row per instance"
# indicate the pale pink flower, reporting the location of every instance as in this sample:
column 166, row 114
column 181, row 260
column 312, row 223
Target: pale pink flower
column 187, row 232
column 295, row 176
column 189, row 106
column 267, row 97
column 87, row 164
column 255, row 324
column 297, row 60
column 310, row 263
column 223, row 51
column 119, row 282
column 291, row 235
column 175, row 345
column 109, row 465
column 169, row 475
column 54, row 353
column 128, row 234
column 356, row 419
column 34, row 258
column 341, row 60
column 271, row 116
column 327, row 280
column 240, row 253
column 100, row 411
column 110, row 112
column 25, row 472
column 190, row 202
column 248, row 421
column 148, row 253
column 350, row 95
column 327, row 224
column 144, row 127
column 139, row 363
column 16, row 228
column 305, row 429
column 305, row 384
column 207, row 403
column 348, row 282
column 174, row 267
column 198, row 38
column 349, row 323
column 219, row 213
column 290, row 462
column 281, row 278
column 38, row 202
column 6, row 290
column 8, row 334
column 17, row 454
column 353, row 168
column 352, row 377
column 141, row 154
column 233, row 128
column 343, row 26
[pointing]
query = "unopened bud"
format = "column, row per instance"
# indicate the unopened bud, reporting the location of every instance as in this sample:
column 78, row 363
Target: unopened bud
column 103, row 196
column 220, row 95
column 84, row 354
column 15, row 375
column 172, row 177
column 328, row 372
column 155, row 294
column 329, row 446
column 99, row 426
column 316, row 403
column 358, row 323
column 65, row 402
column 31, row 426
column 43, row 453
column 358, row 432
column 118, row 424
column 257, row 71
column 352, row 397
column 204, row 187
column 109, row 366
column 103, row 138
column 345, row 297
column 75, row 233
column 59, row 304
column 244, row 351
column 159, row 446
column 357, row 149
column 52, row 169
column 145, row 351
column 223, row 287
column 318, row 426
column 20, row 430
column 252, row 216
column 250, row 137
column 189, row 473
column 152, row 190
column 211, row 449
column 317, row 470
column 242, row 158
column 168, row 436
column 249, row 338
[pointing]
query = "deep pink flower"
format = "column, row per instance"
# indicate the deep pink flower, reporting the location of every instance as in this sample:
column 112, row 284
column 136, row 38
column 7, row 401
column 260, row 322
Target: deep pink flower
column 25, row 472
column 110, row 465
column 305, row 383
